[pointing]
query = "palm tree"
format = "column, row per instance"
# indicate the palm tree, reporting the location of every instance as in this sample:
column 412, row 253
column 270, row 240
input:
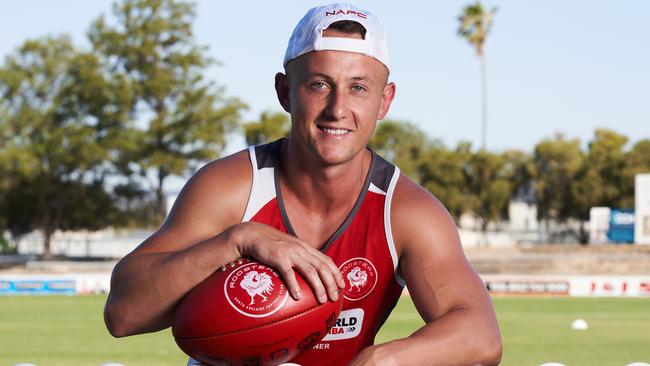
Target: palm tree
column 475, row 24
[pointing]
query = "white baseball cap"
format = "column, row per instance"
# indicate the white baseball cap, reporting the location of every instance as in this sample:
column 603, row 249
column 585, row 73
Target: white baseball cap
column 308, row 34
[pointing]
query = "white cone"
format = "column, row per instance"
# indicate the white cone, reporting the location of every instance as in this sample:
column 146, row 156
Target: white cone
column 638, row 364
column 112, row 364
column 552, row 364
column 579, row 324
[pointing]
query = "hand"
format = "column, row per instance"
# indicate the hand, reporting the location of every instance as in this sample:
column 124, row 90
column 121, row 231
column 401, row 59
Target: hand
column 285, row 252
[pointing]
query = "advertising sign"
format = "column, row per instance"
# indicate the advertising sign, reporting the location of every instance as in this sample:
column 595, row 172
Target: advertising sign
column 574, row 286
column 599, row 224
column 621, row 225
column 37, row 286
column 54, row 284
column 610, row 286
column 642, row 206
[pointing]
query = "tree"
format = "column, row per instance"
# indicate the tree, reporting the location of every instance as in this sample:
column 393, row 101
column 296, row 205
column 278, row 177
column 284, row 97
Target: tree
column 606, row 156
column 475, row 25
column 441, row 173
column 270, row 127
column 402, row 143
column 88, row 207
column 557, row 162
column 179, row 119
column 519, row 169
column 599, row 180
column 488, row 184
column 59, row 111
column 137, row 206
column 587, row 191
column 18, row 208
column 5, row 186
column 637, row 161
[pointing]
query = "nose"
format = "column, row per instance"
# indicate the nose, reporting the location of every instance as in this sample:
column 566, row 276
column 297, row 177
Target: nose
column 337, row 105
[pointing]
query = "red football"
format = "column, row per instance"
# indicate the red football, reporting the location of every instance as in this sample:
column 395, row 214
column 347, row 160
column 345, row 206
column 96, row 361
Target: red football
column 243, row 314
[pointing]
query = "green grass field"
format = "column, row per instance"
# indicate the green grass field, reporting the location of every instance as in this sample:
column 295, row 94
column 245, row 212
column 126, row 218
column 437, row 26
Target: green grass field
column 68, row 331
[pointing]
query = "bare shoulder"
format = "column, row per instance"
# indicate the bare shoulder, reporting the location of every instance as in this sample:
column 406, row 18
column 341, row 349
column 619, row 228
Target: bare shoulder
column 431, row 258
column 213, row 199
column 416, row 212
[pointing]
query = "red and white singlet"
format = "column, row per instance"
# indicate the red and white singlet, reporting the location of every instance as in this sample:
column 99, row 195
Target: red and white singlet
column 362, row 247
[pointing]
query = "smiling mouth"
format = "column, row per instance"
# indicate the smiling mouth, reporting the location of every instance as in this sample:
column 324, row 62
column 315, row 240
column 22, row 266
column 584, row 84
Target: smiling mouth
column 333, row 131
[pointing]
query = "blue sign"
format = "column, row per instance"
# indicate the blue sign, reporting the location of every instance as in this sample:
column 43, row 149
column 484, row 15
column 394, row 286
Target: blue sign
column 621, row 225
column 37, row 287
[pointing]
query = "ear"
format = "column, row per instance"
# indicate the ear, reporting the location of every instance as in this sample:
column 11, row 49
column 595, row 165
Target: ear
column 282, row 91
column 387, row 96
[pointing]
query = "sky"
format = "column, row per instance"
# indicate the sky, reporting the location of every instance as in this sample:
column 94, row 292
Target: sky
column 552, row 66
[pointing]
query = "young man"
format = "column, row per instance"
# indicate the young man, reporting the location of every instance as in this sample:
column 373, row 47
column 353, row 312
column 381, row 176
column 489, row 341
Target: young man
column 321, row 203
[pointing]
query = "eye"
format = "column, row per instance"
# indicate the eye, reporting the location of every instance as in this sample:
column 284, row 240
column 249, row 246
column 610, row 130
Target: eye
column 318, row 85
column 358, row 88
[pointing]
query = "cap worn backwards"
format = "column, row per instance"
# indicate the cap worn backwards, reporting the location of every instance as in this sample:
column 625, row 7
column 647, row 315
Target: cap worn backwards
column 308, row 34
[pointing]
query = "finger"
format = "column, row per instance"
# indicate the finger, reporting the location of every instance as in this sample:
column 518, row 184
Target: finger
column 326, row 261
column 329, row 274
column 336, row 272
column 327, row 277
column 310, row 273
column 292, row 284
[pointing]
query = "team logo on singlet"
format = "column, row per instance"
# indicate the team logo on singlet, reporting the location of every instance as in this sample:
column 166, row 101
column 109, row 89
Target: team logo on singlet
column 360, row 277
column 255, row 290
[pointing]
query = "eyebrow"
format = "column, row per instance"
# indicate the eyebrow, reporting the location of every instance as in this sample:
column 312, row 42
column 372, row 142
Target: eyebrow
column 363, row 78
column 324, row 76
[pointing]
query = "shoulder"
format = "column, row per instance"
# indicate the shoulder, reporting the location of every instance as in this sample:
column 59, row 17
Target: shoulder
column 212, row 200
column 431, row 257
column 218, row 190
column 414, row 206
column 420, row 222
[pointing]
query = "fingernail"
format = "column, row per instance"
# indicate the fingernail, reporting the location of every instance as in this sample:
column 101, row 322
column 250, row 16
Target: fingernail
column 297, row 294
column 322, row 298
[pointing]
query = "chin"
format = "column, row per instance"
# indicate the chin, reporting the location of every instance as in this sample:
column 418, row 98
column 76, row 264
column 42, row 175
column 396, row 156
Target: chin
column 336, row 155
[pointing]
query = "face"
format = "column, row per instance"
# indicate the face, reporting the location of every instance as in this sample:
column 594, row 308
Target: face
column 335, row 99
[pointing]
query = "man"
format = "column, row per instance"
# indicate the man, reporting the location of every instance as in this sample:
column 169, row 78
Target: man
column 321, row 203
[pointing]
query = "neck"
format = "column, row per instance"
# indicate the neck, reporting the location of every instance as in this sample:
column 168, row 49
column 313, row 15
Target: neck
column 323, row 187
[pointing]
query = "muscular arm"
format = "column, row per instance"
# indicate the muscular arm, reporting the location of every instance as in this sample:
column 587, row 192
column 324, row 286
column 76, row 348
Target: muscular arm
column 202, row 233
column 461, row 327
column 193, row 241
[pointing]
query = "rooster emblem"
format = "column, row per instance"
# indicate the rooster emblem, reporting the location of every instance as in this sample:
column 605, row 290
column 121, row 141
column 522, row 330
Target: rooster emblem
column 357, row 278
column 257, row 284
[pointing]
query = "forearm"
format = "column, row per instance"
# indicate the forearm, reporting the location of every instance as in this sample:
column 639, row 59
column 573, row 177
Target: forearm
column 145, row 287
column 460, row 337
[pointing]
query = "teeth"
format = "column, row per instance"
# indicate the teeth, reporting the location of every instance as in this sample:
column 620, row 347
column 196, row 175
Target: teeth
column 335, row 131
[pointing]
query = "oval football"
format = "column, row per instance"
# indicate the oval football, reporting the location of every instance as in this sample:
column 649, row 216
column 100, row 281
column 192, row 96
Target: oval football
column 245, row 315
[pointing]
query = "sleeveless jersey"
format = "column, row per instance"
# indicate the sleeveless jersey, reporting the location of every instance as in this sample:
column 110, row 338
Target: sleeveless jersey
column 362, row 247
